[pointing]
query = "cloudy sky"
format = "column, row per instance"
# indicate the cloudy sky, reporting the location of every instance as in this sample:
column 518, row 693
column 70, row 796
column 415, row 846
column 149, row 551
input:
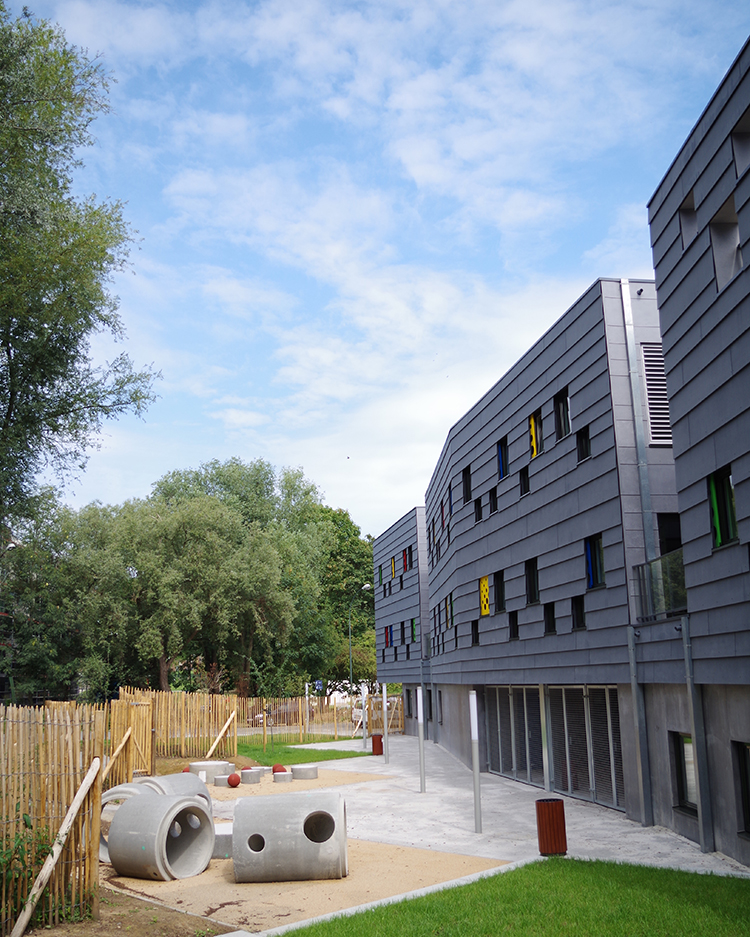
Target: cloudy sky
column 353, row 217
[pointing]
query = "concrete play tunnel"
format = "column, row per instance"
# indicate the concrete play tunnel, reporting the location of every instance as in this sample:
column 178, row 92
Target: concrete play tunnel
column 289, row 838
column 163, row 836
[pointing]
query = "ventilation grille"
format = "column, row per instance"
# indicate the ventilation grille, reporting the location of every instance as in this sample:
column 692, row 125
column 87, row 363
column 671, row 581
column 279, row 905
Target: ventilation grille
column 656, row 395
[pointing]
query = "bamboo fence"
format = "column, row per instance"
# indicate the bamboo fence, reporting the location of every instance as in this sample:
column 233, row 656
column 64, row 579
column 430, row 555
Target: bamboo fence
column 45, row 753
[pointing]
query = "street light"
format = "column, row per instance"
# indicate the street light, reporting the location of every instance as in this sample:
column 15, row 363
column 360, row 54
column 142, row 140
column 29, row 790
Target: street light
column 364, row 588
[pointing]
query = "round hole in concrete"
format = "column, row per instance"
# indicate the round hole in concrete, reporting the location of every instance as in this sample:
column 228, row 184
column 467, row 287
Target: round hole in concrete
column 175, row 830
column 193, row 821
column 256, row 842
column 319, row 826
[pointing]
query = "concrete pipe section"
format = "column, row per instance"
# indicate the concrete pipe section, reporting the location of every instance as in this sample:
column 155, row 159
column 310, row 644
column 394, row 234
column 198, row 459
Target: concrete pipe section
column 290, row 838
column 251, row 776
column 161, row 837
column 111, row 802
column 207, row 770
column 304, row 772
column 183, row 783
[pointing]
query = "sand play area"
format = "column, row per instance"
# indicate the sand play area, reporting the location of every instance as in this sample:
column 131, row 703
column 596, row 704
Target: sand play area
column 376, row 871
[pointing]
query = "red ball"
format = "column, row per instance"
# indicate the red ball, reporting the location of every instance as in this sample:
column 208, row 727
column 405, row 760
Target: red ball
column 277, row 769
column 233, row 780
column 185, row 769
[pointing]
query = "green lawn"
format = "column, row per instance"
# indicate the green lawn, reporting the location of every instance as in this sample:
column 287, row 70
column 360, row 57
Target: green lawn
column 285, row 754
column 566, row 897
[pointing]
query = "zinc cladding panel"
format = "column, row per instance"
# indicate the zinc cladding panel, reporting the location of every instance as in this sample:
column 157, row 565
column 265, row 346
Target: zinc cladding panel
column 474, row 555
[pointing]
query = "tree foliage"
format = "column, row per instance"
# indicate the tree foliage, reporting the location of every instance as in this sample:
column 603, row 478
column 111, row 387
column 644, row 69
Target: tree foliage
column 58, row 255
column 231, row 576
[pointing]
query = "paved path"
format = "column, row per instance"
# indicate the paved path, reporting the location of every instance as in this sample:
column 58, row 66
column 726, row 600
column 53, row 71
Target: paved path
column 394, row 811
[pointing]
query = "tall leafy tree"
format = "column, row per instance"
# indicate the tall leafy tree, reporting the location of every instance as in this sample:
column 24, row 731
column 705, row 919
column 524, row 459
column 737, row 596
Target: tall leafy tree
column 57, row 258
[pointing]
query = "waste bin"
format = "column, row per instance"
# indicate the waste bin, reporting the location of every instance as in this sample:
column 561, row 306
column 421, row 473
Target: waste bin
column 550, row 823
column 377, row 744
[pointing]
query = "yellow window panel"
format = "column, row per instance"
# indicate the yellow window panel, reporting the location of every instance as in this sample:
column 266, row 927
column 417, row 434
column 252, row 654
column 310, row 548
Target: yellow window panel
column 484, row 595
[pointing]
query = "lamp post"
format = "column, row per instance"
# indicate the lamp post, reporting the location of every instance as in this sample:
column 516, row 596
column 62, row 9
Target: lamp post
column 366, row 587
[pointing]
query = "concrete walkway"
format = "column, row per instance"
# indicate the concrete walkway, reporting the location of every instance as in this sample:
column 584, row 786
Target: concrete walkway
column 394, row 811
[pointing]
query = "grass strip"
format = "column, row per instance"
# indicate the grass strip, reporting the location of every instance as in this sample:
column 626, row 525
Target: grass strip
column 565, row 898
column 284, row 754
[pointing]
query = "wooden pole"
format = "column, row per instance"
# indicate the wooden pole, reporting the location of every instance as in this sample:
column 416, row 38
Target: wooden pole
column 219, row 737
column 335, row 723
column 115, row 753
column 51, row 860
column 299, row 701
column 264, row 725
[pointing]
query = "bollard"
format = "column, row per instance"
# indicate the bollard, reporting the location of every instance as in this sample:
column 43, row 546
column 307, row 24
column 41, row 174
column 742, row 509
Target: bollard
column 377, row 744
column 550, row 822
column 290, row 838
column 161, row 837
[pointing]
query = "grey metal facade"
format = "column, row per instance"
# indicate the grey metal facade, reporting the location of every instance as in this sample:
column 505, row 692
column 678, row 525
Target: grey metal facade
column 700, row 227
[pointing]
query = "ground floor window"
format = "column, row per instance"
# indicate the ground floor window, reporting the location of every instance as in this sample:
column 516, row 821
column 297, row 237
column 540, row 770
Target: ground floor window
column 684, row 758
column 743, row 758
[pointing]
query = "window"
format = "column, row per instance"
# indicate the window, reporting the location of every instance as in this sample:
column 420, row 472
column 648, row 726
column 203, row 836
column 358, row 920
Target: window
column 741, row 143
column 408, row 704
column 442, row 514
column 405, row 560
column 386, row 636
column 385, row 591
column 562, row 414
column 410, row 557
column 721, row 505
column 466, row 482
column 428, row 705
column 688, row 220
column 401, row 581
column 532, row 581
column 583, row 444
column 725, row 243
column 493, row 500
column 549, row 618
column 403, row 632
column 660, row 428
column 440, row 706
column 578, row 613
column 475, row 632
column 498, row 580
column 380, row 575
column 382, row 656
column 594, row 553
column 687, row 788
column 455, row 637
column 742, row 750
column 523, row 480
column 450, row 501
column 503, row 467
column 414, row 631
column 670, row 536
column 484, row 595
column 393, row 567
column 477, row 509
column 513, row 625
column 536, row 434
column 448, row 534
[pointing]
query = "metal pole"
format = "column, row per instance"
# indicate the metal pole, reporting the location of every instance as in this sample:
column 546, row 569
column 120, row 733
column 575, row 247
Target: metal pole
column 420, row 725
column 364, row 717
column 385, row 723
column 351, row 681
column 475, row 760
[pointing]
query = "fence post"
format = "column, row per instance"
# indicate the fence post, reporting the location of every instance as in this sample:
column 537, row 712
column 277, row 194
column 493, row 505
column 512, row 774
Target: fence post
column 335, row 723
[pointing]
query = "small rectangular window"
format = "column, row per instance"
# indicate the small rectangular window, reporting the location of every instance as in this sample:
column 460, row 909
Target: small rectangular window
column 428, row 704
column 385, row 636
column 440, row 706
column 414, row 631
column 405, row 560
column 583, row 444
column 484, row 595
column 741, row 144
column 536, row 434
column 455, row 637
column 401, row 582
column 725, row 243
column 687, row 788
column 721, row 506
column 410, row 557
column 578, row 613
column 408, row 704
column 493, row 500
column 393, row 567
column 448, row 534
column 450, row 501
column 385, row 591
column 562, row 414
column 382, row 656
column 523, row 480
column 688, row 220
column 442, row 515
column 513, row 625
column 477, row 509
column 466, row 482
column 743, row 758
column 475, row 632
column 594, row 553
column 550, row 626
column 503, row 467
column 403, row 632
column 498, row 580
column 531, row 570
column 380, row 575
column 670, row 535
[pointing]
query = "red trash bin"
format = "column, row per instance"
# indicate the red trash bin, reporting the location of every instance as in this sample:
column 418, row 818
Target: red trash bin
column 377, row 744
column 550, row 823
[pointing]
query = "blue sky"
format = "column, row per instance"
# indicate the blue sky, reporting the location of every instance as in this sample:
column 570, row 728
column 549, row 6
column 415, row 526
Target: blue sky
column 354, row 217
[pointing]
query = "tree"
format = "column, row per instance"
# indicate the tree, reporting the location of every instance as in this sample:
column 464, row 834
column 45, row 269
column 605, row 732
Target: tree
column 57, row 258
